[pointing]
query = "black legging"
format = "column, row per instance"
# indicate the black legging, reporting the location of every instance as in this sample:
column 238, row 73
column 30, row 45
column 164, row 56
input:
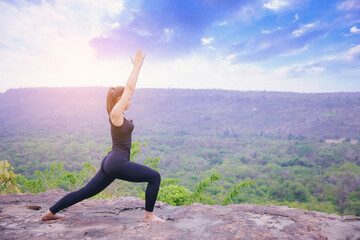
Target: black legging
column 113, row 166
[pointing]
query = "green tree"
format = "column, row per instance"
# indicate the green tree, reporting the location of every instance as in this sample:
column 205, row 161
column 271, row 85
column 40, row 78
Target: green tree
column 304, row 150
column 235, row 191
column 8, row 182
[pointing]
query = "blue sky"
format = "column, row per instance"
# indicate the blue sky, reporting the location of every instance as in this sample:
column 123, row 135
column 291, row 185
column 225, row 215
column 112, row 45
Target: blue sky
column 273, row 45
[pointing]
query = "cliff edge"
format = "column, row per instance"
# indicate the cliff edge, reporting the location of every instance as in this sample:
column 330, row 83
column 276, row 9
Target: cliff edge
column 121, row 218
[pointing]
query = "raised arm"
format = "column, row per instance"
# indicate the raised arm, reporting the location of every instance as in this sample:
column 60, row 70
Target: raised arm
column 116, row 114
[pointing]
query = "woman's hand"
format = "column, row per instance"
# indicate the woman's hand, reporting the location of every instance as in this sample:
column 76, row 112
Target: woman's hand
column 139, row 59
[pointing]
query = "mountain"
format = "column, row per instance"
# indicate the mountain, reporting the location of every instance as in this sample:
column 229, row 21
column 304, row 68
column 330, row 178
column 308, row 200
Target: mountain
column 209, row 112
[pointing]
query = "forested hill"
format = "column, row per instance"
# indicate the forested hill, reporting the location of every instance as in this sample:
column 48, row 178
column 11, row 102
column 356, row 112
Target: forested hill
column 185, row 112
column 196, row 133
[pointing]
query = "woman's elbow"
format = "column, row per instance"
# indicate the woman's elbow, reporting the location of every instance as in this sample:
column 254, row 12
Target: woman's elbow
column 130, row 88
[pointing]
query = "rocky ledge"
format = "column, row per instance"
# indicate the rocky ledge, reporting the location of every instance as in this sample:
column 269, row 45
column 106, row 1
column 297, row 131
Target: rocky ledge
column 121, row 218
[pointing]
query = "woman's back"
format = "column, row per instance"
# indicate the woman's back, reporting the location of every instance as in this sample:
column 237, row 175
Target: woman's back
column 121, row 136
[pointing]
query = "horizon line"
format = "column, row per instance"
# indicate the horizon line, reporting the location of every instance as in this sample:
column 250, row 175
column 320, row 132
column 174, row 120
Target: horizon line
column 172, row 88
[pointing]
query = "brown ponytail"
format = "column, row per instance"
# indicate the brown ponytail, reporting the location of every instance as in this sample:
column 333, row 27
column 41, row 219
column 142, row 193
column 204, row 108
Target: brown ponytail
column 111, row 99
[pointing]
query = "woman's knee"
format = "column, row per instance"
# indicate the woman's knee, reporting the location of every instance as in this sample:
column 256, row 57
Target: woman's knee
column 156, row 177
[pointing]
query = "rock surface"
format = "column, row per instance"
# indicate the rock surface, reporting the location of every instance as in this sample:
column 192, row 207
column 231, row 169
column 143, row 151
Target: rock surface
column 121, row 218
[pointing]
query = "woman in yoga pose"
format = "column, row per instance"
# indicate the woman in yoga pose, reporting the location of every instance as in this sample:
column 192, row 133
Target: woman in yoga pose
column 117, row 163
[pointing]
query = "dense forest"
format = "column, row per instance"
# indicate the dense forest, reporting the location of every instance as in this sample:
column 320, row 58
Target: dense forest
column 300, row 149
column 184, row 112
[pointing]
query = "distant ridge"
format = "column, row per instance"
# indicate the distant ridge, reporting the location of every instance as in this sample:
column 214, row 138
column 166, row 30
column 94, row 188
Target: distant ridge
column 213, row 112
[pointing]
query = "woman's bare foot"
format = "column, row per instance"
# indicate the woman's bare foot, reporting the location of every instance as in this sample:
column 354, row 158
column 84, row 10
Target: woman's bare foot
column 48, row 215
column 150, row 217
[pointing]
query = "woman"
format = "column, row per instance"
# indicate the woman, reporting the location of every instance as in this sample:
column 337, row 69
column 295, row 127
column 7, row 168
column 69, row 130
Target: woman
column 117, row 163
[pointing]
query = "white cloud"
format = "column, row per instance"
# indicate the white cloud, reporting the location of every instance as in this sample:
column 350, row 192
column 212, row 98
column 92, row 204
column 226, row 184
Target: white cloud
column 48, row 44
column 316, row 69
column 142, row 32
column 113, row 25
column 281, row 5
column 354, row 50
column 267, row 31
column 354, row 29
column 349, row 5
column 310, row 25
column 223, row 23
column 296, row 17
column 338, row 63
column 275, row 4
column 296, row 51
column 248, row 13
column 206, row 41
column 168, row 34
column 353, row 53
column 297, row 33
column 198, row 72
column 230, row 57
column 299, row 70
column 303, row 28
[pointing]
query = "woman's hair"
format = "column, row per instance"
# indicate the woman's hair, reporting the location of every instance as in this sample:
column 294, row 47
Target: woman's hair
column 113, row 94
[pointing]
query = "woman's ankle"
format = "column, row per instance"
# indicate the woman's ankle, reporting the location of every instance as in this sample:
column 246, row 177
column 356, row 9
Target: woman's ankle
column 149, row 214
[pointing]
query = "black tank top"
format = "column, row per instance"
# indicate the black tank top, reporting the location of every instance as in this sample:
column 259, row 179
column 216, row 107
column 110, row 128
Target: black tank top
column 121, row 136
